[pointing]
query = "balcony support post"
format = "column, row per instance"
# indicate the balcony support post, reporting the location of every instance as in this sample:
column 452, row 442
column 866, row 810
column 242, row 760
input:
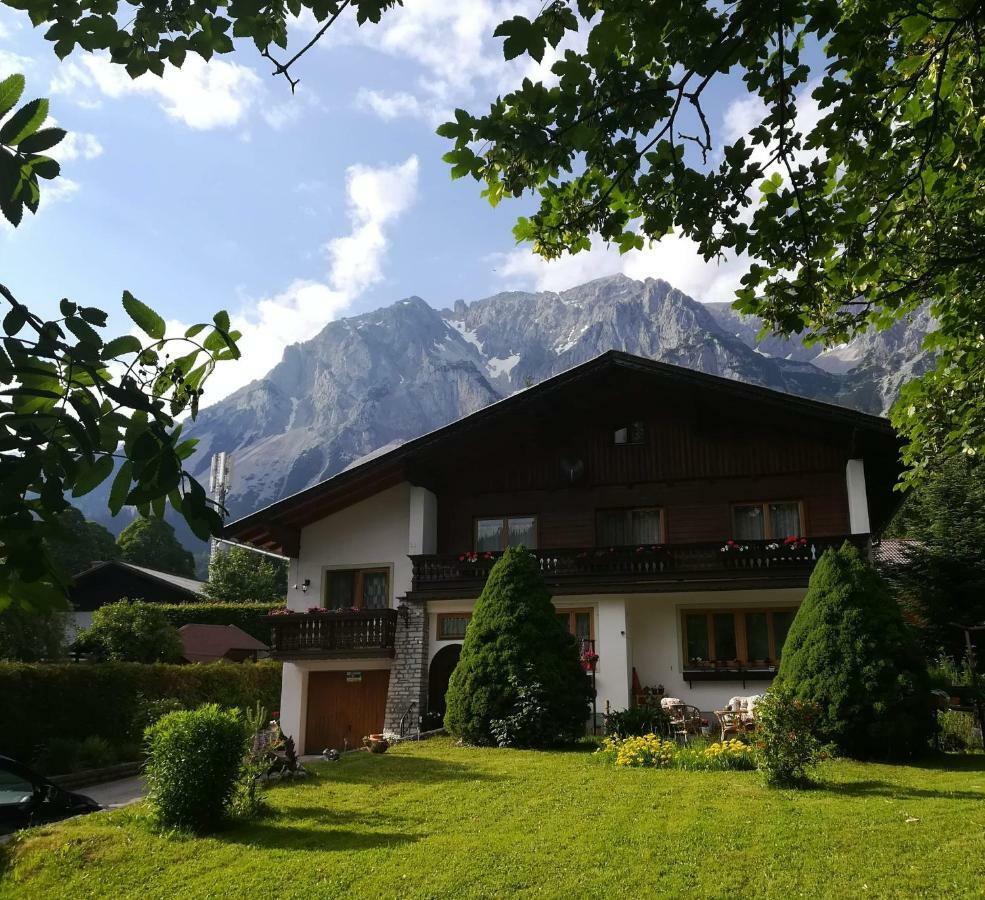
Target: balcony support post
column 409, row 673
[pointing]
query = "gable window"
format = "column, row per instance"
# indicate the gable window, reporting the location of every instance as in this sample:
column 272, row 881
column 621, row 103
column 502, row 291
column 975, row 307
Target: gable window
column 767, row 521
column 357, row 588
column 624, row 527
column 577, row 622
column 451, row 626
column 633, row 433
column 723, row 636
column 505, row 531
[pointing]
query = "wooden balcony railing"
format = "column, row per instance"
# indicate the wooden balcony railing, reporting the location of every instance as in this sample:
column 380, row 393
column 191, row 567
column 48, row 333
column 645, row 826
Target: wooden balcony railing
column 351, row 634
column 650, row 567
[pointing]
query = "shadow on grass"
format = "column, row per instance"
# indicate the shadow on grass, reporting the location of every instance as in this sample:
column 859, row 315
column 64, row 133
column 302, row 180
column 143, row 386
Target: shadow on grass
column 874, row 788
column 950, row 762
column 321, row 829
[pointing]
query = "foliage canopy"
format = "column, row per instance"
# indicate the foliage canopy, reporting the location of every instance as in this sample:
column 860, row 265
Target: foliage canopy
column 239, row 574
column 152, row 543
column 131, row 631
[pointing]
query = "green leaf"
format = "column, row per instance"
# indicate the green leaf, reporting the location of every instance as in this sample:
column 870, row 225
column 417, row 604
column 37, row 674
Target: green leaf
column 120, row 346
column 24, row 122
column 195, row 329
column 93, row 475
column 14, row 320
column 145, row 318
column 84, row 332
column 11, row 89
column 42, row 140
column 121, row 487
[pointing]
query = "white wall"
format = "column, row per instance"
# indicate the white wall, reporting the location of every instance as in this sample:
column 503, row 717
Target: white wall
column 858, row 500
column 372, row 533
column 294, row 689
column 658, row 647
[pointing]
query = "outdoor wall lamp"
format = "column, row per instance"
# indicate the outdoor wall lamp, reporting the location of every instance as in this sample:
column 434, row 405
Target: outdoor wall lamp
column 305, row 585
column 403, row 611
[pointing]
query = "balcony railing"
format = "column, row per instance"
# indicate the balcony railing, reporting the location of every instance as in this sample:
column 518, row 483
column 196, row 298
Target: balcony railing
column 353, row 634
column 649, row 567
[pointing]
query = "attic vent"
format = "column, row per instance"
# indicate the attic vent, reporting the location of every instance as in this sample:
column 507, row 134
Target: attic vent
column 633, row 433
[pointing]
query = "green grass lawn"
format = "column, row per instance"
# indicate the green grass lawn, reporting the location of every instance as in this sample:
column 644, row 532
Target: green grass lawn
column 437, row 820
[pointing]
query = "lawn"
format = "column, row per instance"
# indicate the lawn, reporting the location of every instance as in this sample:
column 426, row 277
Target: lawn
column 437, row 820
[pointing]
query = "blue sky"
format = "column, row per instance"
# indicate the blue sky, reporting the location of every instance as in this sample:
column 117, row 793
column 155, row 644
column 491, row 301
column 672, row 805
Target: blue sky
column 215, row 188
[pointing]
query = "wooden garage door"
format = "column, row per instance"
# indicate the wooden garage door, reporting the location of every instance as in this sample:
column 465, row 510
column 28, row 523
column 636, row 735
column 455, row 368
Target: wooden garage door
column 342, row 711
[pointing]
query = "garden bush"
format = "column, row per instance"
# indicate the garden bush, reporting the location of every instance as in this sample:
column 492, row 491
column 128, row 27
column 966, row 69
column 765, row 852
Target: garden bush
column 850, row 653
column 245, row 615
column 788, row 745
column 131, row 631
column 636, row 721
column 516, row 657
column 73, row 701
column 194, row 761
column 958, row 731
column 649, row 751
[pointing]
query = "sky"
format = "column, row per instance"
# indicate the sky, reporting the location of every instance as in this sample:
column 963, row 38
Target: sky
column 215, row 188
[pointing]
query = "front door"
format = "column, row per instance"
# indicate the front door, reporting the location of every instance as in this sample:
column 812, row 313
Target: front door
column 343, row 707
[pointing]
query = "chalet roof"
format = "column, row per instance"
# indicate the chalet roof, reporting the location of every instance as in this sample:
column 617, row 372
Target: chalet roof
column 208, row 643
column 186, row 585
column 275, row 527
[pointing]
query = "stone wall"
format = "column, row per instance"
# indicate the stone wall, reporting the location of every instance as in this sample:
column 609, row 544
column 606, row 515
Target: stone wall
column 409, row 674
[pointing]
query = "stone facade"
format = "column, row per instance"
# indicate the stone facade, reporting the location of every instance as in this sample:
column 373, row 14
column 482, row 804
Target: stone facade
column 409, row 674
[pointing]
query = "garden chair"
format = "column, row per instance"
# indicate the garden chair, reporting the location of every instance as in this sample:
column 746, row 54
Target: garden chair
column 685, row 721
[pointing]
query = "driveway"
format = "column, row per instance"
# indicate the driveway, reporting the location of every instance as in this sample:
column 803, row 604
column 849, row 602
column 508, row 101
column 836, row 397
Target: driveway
column 114, row 794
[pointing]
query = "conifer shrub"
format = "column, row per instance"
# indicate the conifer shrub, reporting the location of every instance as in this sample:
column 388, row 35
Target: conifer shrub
column 519, row 680
column 850, row 655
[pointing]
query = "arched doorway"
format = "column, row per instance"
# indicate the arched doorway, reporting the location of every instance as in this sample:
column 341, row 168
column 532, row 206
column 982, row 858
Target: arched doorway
column 442, row 666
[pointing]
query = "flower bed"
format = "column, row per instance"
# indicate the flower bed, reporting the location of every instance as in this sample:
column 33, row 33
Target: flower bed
column 652, row 752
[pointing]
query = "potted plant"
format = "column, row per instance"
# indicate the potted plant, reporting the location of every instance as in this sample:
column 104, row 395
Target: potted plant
column 376, row 743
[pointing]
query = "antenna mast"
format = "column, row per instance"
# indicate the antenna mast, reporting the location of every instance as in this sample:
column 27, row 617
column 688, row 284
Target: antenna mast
column 220, row 478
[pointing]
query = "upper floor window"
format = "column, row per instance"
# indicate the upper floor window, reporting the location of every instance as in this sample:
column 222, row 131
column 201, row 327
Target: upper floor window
column 577, row 622
column 451, row 626
column 505, row 531
column 633, row 433
column 357, row 588
column 750, row 637
column 622, row 527
column 767, row 521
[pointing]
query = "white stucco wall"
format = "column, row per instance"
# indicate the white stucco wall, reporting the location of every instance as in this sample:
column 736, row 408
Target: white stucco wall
column 858, row 499
column 657, row 641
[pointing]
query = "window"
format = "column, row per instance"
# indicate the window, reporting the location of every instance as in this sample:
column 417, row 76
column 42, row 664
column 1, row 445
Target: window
column 633, row 433
column 505, row 531
column 577, row 622
column 622, row 527
column 451, row 626
column 767, row 521
column 357, row 588
column 753, row 637
column 14, row 789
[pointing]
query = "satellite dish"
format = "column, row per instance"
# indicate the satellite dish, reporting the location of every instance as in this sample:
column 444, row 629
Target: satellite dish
column 572, row 469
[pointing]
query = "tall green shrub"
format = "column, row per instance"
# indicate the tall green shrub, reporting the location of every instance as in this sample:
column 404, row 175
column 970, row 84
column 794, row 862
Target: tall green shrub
column 850, row 653
column 514, row 650
column 131, row 631
column 194, row 760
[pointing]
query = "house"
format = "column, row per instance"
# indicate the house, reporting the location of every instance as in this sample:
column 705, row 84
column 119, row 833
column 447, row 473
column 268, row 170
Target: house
column 107, row 582
column 212, row 643
column 677, row 518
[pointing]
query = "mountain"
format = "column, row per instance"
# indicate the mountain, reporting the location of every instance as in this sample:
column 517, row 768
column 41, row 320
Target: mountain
column 367, row 383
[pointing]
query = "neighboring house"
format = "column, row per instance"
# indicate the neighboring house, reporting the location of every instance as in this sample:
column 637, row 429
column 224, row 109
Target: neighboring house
column 107, row 582
column 212, row 643
column 658, row 500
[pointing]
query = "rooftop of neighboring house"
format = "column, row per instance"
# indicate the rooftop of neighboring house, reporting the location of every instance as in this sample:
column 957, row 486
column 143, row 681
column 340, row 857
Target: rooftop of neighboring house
column 210, row 643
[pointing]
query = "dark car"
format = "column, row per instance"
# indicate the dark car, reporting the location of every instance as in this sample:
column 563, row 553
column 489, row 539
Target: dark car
column 27, row 798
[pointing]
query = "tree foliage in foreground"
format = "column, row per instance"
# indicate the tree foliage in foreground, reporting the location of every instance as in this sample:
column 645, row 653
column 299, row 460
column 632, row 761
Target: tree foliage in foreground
column 78, row 406
column 238, row 573
column 850, row 655
column 152, row 543
column 851, row 219
column 520, row 674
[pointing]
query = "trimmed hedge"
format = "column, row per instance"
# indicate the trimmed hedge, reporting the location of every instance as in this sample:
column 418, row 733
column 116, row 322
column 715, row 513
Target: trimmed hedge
column 41, row 701
column 247, row 616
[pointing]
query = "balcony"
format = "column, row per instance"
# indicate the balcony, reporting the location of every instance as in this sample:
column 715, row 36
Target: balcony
column 717, row 565
column 353, row 634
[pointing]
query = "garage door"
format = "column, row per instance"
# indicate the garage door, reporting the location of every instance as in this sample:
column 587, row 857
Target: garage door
column 343, row 707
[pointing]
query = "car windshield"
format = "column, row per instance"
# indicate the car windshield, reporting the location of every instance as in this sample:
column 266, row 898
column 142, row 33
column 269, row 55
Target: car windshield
column 14, row 789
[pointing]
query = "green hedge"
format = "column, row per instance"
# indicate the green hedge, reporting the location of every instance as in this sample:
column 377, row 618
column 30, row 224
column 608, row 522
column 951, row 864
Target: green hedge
column 73, row 701
column 247, row 616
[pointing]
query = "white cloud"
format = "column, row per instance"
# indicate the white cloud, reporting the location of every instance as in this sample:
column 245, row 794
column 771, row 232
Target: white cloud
column 202, row 95
column 389, row 106
column 78, row 145
column 11, row 62
column 376, row 198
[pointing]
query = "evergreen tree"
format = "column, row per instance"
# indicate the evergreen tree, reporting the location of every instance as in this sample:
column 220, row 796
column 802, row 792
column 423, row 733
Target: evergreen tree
column 80, row 543
column 850, row 653
column 519, row 679
column 151, row 542
column 943, row 580
column 239, row 573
